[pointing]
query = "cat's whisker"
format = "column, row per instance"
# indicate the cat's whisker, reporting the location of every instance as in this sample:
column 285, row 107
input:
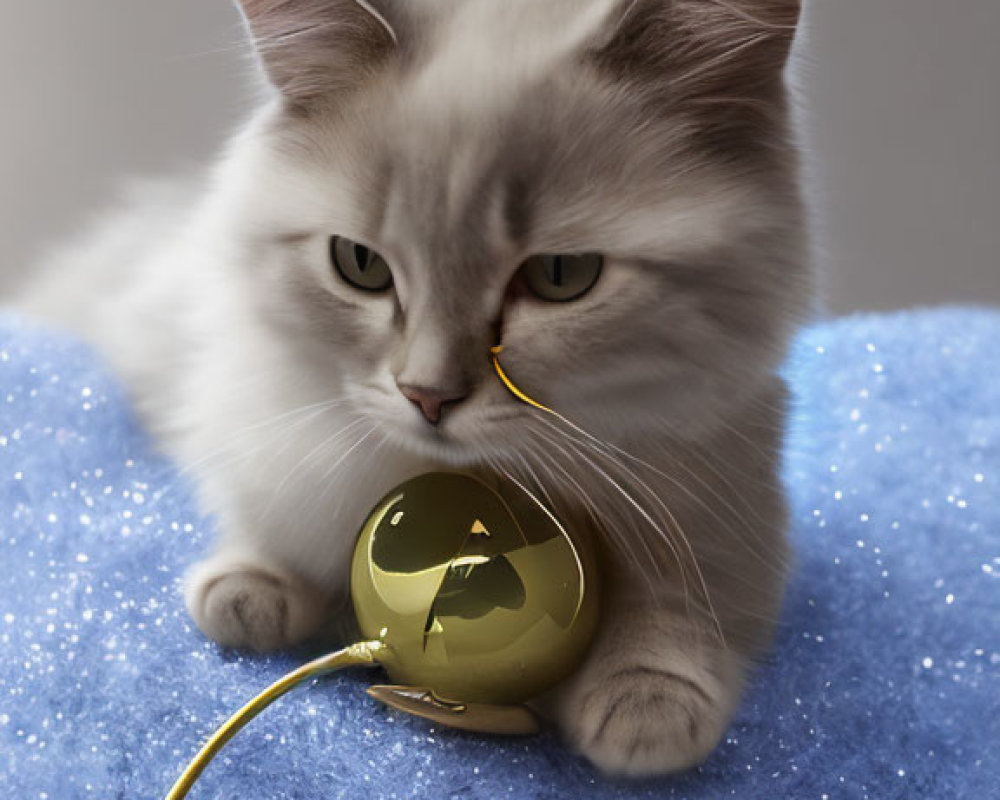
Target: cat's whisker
column 708, row 457
column 661, row 532
column 621, row 543
column 241, row 47
column 293, row 417
column 608, row 450
column 768, row 453
column 657, row 528
column 538, row 482
column 604, row 522
column 722, row 567
column 708, row 65
column 311, row 455
column 233, row 454
column 327, row 482
column 743, row 533
column 708, row 464
column 606, row 478
column 325, row 479
column 591, row 509
column 601, row 520
column 285, row 423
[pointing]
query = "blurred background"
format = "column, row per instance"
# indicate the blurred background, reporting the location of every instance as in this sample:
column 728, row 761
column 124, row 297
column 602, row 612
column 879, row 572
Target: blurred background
column 899, row 109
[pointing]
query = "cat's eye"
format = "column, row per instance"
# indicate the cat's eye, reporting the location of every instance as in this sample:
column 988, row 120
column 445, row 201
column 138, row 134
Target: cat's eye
column 562, row 278
column 359, row 266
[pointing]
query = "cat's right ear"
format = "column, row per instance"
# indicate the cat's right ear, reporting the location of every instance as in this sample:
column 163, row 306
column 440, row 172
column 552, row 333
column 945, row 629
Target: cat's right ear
column 313, row 49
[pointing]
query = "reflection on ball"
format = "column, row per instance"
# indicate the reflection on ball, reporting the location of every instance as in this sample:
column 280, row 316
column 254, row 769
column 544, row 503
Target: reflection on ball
column 476, row 590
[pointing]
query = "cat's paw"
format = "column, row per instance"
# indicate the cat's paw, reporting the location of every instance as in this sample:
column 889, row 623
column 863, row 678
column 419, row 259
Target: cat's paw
column 641, row 721
column 246, row 606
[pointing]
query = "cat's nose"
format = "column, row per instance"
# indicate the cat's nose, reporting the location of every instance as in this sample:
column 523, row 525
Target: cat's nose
column 430, row 401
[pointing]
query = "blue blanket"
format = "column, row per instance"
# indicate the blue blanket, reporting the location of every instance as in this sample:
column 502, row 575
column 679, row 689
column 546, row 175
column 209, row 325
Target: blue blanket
column 884, row 683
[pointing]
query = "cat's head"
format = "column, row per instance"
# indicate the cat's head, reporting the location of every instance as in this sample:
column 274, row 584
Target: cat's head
column 606, row 187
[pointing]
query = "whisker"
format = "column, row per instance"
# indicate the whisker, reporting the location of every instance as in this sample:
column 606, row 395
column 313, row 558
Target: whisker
column 768, row 453
column 708, row 463
column 608, row 446
column 294, row 414
column 660, row 531
column 326, row 479
column 649, row 520
column 307, row 458
column 605, row 523
column 722, row 567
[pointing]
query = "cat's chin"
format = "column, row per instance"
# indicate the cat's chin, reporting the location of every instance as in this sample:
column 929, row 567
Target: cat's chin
column 440, row 446
column 450, row 448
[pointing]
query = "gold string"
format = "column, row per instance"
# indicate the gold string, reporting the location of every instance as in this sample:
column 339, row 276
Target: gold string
column 495, row 352
column 357, row 655
column 362, row 654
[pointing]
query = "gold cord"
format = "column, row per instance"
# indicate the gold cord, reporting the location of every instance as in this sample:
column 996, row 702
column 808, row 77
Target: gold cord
column 357, row 655
column 495, row 352
column 362, row 654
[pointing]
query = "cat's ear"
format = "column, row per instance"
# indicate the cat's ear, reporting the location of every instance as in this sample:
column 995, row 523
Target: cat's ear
column 319, row 48
column 703, row 46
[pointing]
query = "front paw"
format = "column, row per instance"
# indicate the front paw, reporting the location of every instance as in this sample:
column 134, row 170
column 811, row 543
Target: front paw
column 641, row 721
column 244, row 605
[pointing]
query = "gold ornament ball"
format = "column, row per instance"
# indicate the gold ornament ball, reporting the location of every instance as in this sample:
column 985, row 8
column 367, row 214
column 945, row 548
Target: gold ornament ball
column 476, row 590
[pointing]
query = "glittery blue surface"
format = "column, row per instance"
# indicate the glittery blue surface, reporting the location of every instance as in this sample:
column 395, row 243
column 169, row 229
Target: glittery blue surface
column 885, row 681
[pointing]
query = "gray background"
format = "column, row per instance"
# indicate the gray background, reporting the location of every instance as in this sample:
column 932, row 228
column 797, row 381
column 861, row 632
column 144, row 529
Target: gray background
column 899, row 101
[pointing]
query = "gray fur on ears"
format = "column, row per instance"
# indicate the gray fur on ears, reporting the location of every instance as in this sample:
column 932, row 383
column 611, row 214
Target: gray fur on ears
column 313, row 48
column 709, row 46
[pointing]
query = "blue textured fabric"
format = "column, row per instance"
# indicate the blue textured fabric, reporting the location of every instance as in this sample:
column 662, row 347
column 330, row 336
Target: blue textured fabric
column 884, row 683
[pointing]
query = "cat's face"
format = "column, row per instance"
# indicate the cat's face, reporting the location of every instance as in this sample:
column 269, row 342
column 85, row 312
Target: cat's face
column 578, row 182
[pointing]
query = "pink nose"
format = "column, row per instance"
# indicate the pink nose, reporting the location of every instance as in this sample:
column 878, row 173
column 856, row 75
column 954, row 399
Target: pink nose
column 430, row 401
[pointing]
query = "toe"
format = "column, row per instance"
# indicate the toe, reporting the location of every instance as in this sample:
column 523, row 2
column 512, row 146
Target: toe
column 252, row 608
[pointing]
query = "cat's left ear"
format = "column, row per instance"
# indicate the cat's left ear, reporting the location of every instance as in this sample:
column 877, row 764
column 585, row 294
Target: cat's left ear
column 701, row 47
column 312, row 49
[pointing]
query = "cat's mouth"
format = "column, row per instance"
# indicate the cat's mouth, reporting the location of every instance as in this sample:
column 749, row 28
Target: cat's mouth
column 466, row 438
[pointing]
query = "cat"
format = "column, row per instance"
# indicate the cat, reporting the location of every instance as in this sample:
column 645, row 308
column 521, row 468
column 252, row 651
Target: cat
column 610, row 189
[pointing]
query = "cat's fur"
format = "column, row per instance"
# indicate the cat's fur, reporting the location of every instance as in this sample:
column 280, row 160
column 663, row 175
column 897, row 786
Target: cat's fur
column 458, row 138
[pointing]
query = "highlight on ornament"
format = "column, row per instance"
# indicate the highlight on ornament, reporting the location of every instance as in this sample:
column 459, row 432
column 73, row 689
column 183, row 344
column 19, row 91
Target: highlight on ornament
column 472, row 596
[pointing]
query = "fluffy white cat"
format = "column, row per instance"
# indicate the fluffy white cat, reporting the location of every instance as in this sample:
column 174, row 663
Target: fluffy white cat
column 609, row 188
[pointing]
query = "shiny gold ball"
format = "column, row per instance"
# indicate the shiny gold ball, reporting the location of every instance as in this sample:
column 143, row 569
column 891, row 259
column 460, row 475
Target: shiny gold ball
column 477, row 590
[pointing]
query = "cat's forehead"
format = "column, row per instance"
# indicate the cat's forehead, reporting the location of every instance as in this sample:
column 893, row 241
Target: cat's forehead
column 463, row 144
column 497, row 46
column 505, row 133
